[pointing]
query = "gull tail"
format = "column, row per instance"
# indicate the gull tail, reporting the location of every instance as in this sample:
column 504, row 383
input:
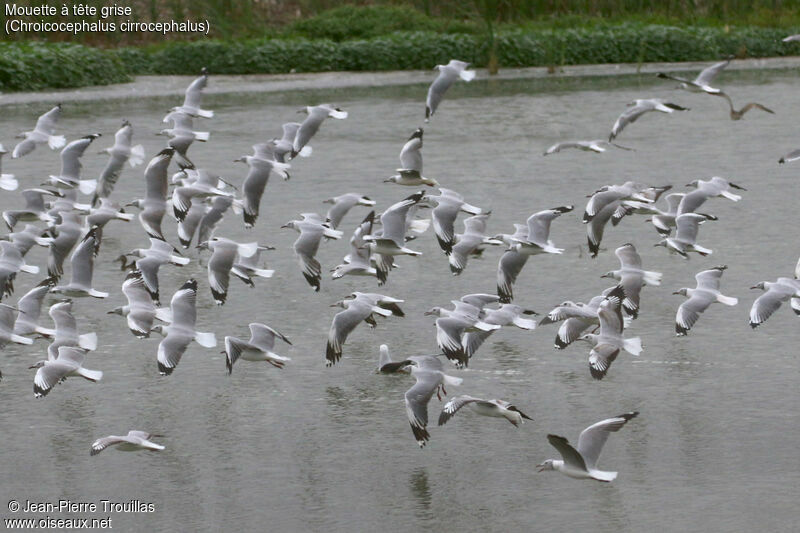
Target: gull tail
column 30, row 269
column 652, row 278
column 21, row 340
column 606, row 477
column 731, row 196
column 524, row 323
column 467, row 75
column 91, row 375
column 56, row 141
column 201, row 136
column 633, row 345
column 205, row 113
column 306, row 151
column 282, row 169
column 88, row 341
column 262, row 272
column 206, row 340
column 727, row 300
column 8, row 183
column 44, row 332
column 338, row 113
column 702, row 250
column 127, row 217
column 452, row 380
column 332, row 233
column 137, row 155
column 97, row 294
column 178, row 260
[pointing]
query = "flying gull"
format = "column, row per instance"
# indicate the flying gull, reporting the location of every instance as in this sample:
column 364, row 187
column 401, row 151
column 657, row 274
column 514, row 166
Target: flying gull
column 494, row 408
column 700, row 298
column 638, row 108
column 44, row 132
column 448, row 74
column 69, row 363
column 310, row 126
column 133, row 441
column 193, row 96
column 702, row 83
column 258, row 348
column 140, row 311
column 410, row 171
column 122, row 152
column 430, row 379
column 632, row 277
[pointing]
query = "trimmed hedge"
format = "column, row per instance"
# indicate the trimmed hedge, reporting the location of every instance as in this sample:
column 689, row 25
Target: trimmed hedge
column 75, row 65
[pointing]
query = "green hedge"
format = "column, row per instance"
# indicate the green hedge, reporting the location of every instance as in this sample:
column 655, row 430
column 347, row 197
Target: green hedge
column 30, row 66
column 74, row 65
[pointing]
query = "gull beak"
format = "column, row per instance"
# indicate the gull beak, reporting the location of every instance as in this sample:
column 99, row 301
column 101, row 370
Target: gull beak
column 676, row 292
column 754, row 287
column 540, row 468
column 530, row 312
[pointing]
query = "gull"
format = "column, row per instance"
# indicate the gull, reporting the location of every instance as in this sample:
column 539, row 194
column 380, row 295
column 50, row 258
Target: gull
column 511, row 263
column 700, row 298
column 205, row 185
column 256, row 181
column 344, row 322
column 11, row 262
column 598, row 146
column 43, row 132
column 706, row 189
column 358, row 262
column 70, row 175
column 150, row 261
column 192, row 97
column 66, row 330
column 776, row 293
column 51, row 372
column 448, row 74
column 82, row 262
column 612, row 193
column 494, row 408
column 7, row 181
column 30, row 309
column 34, row 208
column 133, row 441
column 638, row 108
column 342, row 204
column 791, row 38
column 448, row 204
column 182, row 329
column 188, row 226
column 629, row 207
column 387, row 366
column 581, row 463
column 122, row 152
column 685, row 239
column 537, row 241
column 391, row 241
column 577, row 317
column 140, row 311
column 607, row 344
column 247, row 267
column 410, row 171
column 68, row 233
column 212, row 217
column 479, row 299
column 25, row 239
column 283, row 146
column 663, row 221
column 387, row 303
column 505, row 315
column 739, row 114
column 182, row 135
column 466, row 243
column 8, row 316
column 632, row 277
column 65, row 202
column 451, row 327
column 702, row 83
column 311, row 229
column 258, row 348
column 310, row 126
column 430, row 378
column 222, row 259
column 104, row 212
column 154, row 203
column 794, row 155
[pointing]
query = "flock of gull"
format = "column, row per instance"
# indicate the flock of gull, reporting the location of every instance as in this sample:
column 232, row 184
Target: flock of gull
column 198, row 199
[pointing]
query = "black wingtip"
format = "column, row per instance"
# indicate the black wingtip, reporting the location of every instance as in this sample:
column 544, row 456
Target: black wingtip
column 190, row 284
column 164, row 370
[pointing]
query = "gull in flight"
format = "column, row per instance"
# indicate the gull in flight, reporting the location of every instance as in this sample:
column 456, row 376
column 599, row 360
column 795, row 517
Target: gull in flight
column 30, row 309
column 607, row 344
column 150, row 261
column 140, row 311
column 66, row 330
column 182, row 329
column 392, row 237
column 358, row 262
column 452, row 324
column 581, row 462
column 70, row 176
column 638, row 108
column 598, row 146
column 122, row 152
column 154, row 203
column 44, row 132
column 632, row 277
column 706, row 189
column 466, row 243
column 685, row 239
column 82, row 262
column 410, row 171
column 192, row 98
column 258, row 348
column 224, row 253
column 342, row 204
column 358, row 309
column 312, row 229
column 448, row 74
column 430, row 379
column 738, row 114
column 34, row 208
column 260, row 166
column 702, row 83
column 700, row 298
column 53, row 371
column 448, row 204
column 310, row 126
column 577, row 317
column 494, row 408
column 505, row 315
column 133, row 441
column 776, row 293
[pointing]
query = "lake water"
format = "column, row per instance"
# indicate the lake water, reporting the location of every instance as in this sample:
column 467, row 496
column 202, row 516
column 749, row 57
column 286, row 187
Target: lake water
column 310, row 448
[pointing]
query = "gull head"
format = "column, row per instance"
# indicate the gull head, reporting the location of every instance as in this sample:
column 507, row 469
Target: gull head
column 434, row 311
column 681, row 292
column 392, row 179
column 609, row 274
column 759, row 285
column 694, row 183
column 116, row 311
column 38, row 364
column 547, row 465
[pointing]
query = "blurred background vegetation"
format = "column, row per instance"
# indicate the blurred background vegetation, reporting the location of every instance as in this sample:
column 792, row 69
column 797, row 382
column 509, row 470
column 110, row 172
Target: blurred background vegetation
column 330, row 19
column 280, row 36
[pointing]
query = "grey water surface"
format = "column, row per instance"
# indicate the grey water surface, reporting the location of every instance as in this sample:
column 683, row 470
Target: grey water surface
column 310, row 448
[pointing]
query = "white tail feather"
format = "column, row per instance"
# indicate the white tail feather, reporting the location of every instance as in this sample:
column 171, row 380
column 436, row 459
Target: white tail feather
column 727, row 300
column 21, row 340
column 633, row 345
column 205, row 113
column 731, row 196
column 652, row 278
column 88, row 341
column 277, row 357
column 338, row 114
column 467, row 75
column 452, row 380
column 97, row 294
column 262, row 272
column 306, row 151
column 30, row 269
column 206, row 340
column 45, row 332
column 127, row 217
column 202, row 136
column 248, row 249
column 178, row 260
column 87, row 186
column 93, row 375
column 524, row 323
column 137, row 155
column 8, row 183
